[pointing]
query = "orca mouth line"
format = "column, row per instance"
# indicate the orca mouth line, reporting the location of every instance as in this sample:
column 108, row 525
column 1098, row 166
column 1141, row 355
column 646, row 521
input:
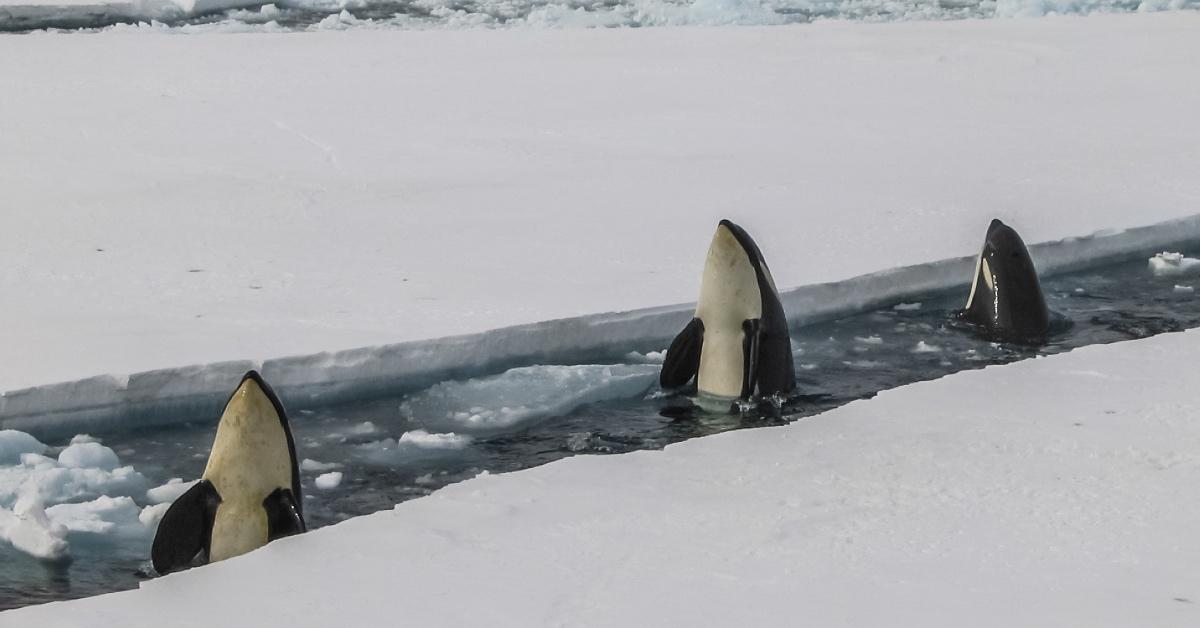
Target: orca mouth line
column 391, row 450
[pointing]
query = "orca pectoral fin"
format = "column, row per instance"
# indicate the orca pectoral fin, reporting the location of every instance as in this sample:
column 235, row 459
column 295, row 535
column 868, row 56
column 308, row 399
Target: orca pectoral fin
column 283, row 514
column 185, row 528
column 683, row 356
column 751, row 341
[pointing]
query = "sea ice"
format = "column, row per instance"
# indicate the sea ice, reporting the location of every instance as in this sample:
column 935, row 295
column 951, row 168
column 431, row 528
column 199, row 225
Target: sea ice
column 308, row 464
column 30, row 530
column 906, row 307
column 327, row 481
column 13, row 444
column 89, row 455
column 168, row 492
column 924, row 347
column 1170, row 264
column 522, row 395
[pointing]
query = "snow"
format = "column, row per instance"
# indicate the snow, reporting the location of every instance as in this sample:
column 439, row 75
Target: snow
column 1173, row 264
column 605, row 156
column 1052, row 490
column 327, row 481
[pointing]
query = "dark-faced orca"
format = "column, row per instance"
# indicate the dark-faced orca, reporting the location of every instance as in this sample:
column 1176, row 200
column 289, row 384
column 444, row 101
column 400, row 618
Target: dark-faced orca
column 737, row 345
column 1006, row 298
column 249, row 494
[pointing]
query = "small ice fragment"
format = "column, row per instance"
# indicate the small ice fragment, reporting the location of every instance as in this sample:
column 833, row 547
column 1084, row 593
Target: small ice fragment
column 14, row 444
column 151, row 515
column 270, row 11
column 1184, row 289
column 426, row 440
column 1167, row 264
column 327, row 481
column 906, row 307
column 308, row 464
column 807, row 367
column 923, row 347
column 424, row 480
column 168, row 492
column 79, row 439
column 89, row 456
column 869, row 340
column 1079, row 290
column 579, row 441
column 652, row 357
column 30, row 530
column 366, row 427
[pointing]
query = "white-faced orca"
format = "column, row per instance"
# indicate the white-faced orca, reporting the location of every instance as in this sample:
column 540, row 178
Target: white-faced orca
column 1006, row 298
column 737, row 345
column 249, row 494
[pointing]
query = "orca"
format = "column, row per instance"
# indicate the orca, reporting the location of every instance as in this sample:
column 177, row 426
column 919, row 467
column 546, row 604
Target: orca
column 1006, row 299
column 249, row 494
column 737, row 344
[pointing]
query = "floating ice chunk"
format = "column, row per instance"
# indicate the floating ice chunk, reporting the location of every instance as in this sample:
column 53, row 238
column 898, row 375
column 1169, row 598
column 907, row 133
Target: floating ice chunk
column 29, row 530
column 114, row 516
column 327, row 481
column 151, row 515
column 864, row 364
column 270, row 11
column 1170, row 264
column 1184, row 289
column 14, row 444
column 79, row 439
column 54, row 484
column 653, row 357
column 523, row 395
column 89, row 455
column 424, row 480
column 869, row 340
column 308, row 464
column 366, row 427
column 426, row 440
column 924, row 347
column 906, row 307
column 169, row 492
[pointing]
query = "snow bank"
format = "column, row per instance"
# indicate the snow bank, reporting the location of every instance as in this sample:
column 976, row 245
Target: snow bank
column 1028, row 507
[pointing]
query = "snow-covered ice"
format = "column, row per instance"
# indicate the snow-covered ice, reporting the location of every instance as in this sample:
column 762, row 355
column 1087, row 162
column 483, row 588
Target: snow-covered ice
column 1047, row 491
column 641, row 140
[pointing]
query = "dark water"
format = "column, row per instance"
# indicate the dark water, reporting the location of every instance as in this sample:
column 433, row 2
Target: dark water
column 837, row 362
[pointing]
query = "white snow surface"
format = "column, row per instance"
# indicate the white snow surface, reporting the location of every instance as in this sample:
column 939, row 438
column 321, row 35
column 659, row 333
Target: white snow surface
column 208, row 209
column 1053, row 491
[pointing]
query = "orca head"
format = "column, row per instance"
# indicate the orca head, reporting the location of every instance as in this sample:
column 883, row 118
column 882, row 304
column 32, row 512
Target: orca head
column 253, row 447
column 1006, row 296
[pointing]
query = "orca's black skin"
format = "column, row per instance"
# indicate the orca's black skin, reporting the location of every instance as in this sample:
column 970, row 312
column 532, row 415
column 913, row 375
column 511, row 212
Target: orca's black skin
column 185, row 529
column 184, row 535
column 768, row 368
column 1011, row 305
